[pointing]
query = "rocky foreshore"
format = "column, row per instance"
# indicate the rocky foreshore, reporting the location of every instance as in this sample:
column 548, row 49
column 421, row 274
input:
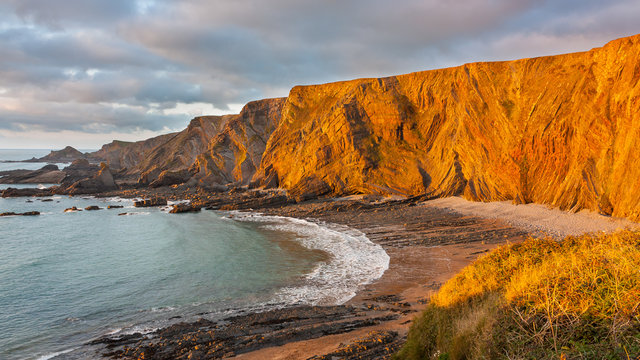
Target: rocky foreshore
column 371, row 326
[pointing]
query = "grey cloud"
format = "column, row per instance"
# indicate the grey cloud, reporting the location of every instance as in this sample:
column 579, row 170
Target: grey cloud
column 92, row 64
column 60, row 14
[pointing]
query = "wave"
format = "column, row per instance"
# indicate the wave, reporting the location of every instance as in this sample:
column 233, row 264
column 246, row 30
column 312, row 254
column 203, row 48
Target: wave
column 355, row 260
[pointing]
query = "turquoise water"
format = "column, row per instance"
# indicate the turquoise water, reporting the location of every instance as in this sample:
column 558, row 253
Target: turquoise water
column 67, row 278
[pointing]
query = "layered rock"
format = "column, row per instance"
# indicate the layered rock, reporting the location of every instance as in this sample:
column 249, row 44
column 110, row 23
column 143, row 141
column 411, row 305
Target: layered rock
column 179, row 152
column 48, row 174
column 234, row 155
column 125, row 155
column 560, row 130
column 102, row 181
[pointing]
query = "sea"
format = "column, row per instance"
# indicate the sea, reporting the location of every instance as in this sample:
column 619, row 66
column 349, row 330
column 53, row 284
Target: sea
column 67, row 278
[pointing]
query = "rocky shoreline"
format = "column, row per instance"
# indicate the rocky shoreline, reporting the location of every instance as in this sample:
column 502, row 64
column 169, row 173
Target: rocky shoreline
column 427, row 243
column 372, row 325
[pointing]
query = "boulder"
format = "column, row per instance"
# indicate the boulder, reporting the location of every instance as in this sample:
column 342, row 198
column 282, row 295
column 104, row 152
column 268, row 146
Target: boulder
column 72, row 209
column 92, row 207
column 101, row 182
column 183, row 208
column 167, row 178
column 150, row 202
column 115, row 207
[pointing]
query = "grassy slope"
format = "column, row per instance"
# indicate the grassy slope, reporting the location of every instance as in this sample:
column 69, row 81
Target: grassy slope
column 577, row 299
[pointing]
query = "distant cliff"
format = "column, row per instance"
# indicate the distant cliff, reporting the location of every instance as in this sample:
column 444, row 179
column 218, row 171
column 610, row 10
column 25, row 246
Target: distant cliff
column 560, row 130
column 123, row 154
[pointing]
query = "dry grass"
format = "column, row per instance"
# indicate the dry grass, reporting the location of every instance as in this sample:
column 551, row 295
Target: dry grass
column 575, row 299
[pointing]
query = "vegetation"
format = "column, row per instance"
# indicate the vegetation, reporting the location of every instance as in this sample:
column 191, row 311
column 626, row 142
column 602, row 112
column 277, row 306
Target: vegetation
column 540, row 299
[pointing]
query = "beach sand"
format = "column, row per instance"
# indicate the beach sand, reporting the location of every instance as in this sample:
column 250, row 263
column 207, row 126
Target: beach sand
column 428, row 242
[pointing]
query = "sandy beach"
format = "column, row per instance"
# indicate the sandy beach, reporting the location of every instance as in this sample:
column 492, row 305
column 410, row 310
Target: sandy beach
column 428, row 242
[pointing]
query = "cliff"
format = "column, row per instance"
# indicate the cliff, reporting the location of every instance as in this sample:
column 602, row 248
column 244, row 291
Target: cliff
column 236, row 152
column 560, row 130
column 124, row 154
column 180, row 150
column 68, row 154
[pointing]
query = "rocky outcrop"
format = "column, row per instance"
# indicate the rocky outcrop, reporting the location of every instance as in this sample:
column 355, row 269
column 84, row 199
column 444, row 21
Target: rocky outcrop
column 559, row 130
column 78, row 170
column 234, row 155
column 125, row 155
column 150, row 202
column 66, row 155
column 48, row 174
column 180, row 151
column 167, row 178
column 184, row 208
column 100, row 182
column 28, row 213
column 13, row 192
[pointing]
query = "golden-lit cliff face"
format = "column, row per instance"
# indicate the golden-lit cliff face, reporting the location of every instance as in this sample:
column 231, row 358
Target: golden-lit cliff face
column 561, row 130
column 234, row 154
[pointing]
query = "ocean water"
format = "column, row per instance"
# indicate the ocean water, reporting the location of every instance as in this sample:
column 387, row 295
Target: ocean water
column 26, row 154
column 67, row 278
column 22, row 154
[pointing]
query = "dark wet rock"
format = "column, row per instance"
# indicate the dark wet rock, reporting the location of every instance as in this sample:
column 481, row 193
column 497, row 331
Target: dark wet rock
column 49, row 174
column 183, row 208
column 92, row 207
column 50, row 167
column 158, row 201
column 46, row 200
column 115, row 207
column 28, row 213
column 72, row 209
column 206, row 339
column 121, row 214
column 13, row 192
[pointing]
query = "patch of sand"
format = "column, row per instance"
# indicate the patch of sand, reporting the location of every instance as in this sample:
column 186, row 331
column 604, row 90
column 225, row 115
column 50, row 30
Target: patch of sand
column 538, row 219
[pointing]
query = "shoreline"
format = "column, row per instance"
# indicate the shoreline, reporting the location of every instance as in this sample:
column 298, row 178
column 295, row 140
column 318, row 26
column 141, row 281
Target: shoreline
column 426, row 247
column 428, row 242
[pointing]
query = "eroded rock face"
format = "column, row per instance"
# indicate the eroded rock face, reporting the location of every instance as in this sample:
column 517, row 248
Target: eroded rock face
column 180, row 151
column 125, row 155
column 235, row 153
column 560, row 130
column 100, row 182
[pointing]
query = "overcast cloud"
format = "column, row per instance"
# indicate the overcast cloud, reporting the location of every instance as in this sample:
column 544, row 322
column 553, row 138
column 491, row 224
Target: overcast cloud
column 81, row 72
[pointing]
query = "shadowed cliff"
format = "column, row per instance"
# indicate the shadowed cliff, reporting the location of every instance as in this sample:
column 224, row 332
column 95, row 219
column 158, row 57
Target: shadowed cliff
column 560, row 130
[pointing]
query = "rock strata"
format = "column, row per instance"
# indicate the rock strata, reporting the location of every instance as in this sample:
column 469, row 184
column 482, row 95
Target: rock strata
column 150, row 202
column 183, row 208
column 558, row 130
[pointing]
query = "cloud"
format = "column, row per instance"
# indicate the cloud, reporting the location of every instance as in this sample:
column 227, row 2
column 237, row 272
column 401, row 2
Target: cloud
column 144, row 65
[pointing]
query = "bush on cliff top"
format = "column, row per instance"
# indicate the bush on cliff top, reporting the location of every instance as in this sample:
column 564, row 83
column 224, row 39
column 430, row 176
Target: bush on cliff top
column 540, row 299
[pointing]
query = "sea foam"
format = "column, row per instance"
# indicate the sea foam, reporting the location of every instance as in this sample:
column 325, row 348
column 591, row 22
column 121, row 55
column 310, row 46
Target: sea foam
column 355, row 260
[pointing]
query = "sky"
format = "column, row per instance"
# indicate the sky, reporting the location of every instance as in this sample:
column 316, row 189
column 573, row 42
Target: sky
column 86, row 72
